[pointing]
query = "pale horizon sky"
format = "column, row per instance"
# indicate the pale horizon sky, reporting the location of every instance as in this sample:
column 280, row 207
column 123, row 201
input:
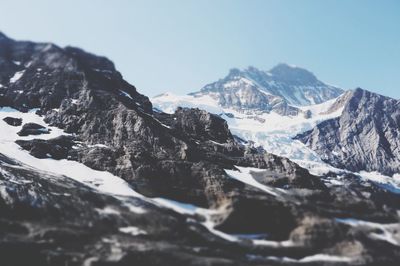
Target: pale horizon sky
column 181, row 45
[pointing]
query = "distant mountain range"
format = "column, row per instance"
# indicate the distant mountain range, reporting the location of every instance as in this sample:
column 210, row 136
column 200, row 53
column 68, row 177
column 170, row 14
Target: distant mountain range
column 281, row 89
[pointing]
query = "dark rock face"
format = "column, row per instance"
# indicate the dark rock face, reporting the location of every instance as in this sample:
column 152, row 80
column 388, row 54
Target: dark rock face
column 364, row 137
column 32, row 129
column 201, row 124
column 54, row 220
column 280, row 90
column 57, row 148
column 42, row 75
column 16, row 122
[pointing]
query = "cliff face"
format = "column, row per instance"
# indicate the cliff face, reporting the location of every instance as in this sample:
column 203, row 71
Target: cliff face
column 364, row 137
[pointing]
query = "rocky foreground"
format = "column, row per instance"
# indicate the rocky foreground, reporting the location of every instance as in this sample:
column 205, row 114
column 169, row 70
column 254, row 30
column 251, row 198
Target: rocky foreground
column 195, row 193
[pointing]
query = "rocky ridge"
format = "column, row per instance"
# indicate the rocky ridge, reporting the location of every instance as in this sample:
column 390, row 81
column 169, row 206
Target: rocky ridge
column 189, row 156
column 280, row 90
column 364, row 138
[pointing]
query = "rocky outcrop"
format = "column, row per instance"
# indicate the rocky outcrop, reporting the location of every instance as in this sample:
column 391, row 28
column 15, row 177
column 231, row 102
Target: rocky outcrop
column 57, row 148
column 12, row 121
column 32, row 129
column 365, row 137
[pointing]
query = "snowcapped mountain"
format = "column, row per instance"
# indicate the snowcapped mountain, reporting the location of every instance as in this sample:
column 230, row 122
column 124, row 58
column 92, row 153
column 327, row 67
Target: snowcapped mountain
column 319, row 137
column 92, row 174
column 281, row 89
column 273, row 131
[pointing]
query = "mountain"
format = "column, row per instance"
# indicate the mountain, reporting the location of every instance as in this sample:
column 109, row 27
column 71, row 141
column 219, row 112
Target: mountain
column 364, row 138
column 281, row 89
column 92, row 174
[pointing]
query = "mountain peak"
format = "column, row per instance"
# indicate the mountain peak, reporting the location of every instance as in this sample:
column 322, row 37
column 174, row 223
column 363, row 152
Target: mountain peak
column 360, row 92
column 292, row 84
column 3, row 36
column 294, row 74
column 252, row 69
column 234, row 72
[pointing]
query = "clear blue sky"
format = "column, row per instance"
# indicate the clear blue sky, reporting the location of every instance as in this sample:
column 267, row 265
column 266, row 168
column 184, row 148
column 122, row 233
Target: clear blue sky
column 181, row 45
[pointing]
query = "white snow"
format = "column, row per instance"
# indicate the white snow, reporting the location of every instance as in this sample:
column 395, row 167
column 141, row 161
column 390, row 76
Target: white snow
column 100, row 180
column 17, row 76
column 388, row 232
column 98, row 146
column 132, row 230
column 244, row 175
column 108, row 211
column 136, row 209
column 110, row 184
column 274, row 134
column 311, row 258
column 103, row 181
column 389, row 182
column 270, row 243
column 124, row 93
column 325, row 257
column 168, row 102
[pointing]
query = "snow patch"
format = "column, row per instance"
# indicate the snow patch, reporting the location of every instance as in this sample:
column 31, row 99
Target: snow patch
column 17, row 76
column 132, row 230
column 124, row 93
column 107, row 211
column 244, row 175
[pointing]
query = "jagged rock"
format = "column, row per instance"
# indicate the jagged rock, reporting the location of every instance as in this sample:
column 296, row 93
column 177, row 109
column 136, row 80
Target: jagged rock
column 365, row 137
column 57, row 148
column 12, row 121
column 201, row 124
column 47, row 74
column 280, row 172
column 307, row 114
column 316, row 232
column 32, row 129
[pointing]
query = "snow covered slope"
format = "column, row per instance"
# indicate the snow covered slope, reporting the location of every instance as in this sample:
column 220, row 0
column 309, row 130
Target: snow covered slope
column 275, row 132
column 100, row 180
column 272, row 131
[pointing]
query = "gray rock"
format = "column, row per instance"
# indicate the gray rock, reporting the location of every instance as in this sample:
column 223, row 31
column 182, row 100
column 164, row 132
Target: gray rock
column 365, row 137
column 12, row 121
column 33, row 129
